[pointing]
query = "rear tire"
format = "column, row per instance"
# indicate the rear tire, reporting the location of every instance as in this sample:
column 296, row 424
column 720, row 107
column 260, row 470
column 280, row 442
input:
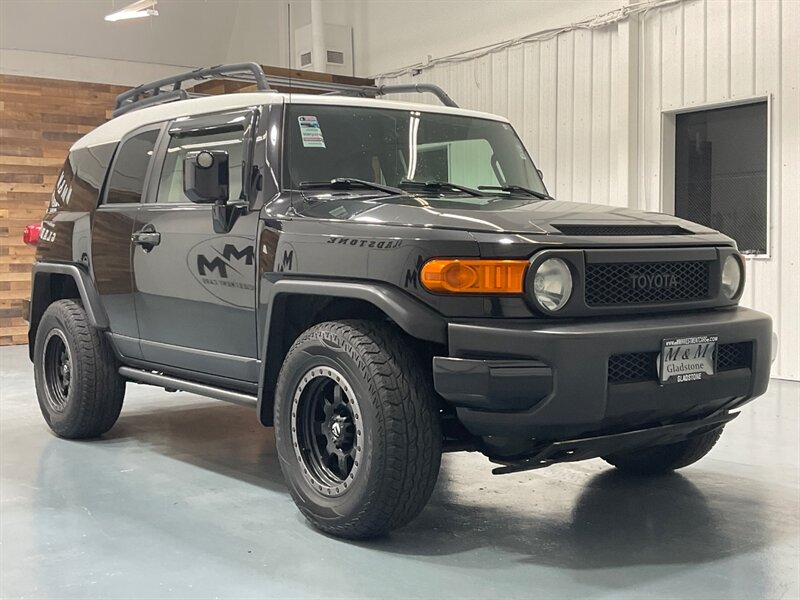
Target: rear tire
column 357, row 429
column 657, row 460
column 79, row 388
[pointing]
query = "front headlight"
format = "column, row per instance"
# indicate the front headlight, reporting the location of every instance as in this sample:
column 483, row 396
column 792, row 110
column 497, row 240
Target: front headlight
column 731, row 276
column 552, row 284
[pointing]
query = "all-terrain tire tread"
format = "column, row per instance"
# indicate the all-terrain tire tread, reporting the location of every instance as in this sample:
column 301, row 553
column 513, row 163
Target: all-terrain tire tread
column 101, row 389
column 403, row 394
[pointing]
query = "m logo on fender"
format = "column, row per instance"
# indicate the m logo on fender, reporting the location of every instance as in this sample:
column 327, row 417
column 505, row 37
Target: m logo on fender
column 287, row 261
column 412, row 275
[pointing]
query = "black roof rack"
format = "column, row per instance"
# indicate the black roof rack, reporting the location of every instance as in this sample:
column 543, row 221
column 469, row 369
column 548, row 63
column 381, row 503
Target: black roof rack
column 372, row 91
column 149, row 94
column 420, row 88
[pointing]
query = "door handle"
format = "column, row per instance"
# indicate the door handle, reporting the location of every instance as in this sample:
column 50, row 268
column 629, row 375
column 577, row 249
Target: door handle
column 147, row 238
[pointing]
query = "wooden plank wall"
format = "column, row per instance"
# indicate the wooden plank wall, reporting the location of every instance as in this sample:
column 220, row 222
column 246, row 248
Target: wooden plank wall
column 39, row 121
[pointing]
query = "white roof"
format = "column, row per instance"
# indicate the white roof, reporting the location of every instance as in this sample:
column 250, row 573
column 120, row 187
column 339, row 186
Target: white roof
column 116, row 128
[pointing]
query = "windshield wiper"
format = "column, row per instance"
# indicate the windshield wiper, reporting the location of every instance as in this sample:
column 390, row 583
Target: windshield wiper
column 436, row 186
column 348, row 183
column 511, row 189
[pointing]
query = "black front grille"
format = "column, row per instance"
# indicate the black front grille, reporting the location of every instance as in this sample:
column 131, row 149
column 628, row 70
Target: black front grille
column 633, row 366
column 610, row 284
column 641, row 366
column 734, row 356
column 599, row 230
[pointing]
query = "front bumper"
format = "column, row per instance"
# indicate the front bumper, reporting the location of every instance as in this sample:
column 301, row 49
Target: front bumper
column 551, row 381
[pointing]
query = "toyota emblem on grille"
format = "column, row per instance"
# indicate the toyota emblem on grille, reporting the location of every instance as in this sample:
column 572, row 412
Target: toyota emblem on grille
column 654, row 281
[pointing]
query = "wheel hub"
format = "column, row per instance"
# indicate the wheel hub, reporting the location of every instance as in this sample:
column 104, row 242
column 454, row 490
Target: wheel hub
column 341, row 432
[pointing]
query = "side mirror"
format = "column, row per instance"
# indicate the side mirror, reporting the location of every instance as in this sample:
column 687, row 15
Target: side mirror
column 205, row 177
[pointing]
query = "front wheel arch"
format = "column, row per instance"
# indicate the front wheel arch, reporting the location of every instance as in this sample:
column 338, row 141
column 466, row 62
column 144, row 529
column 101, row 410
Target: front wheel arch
column 296, row 305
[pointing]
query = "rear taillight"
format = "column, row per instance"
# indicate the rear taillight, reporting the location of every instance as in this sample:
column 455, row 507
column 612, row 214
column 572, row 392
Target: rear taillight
column 31, row 234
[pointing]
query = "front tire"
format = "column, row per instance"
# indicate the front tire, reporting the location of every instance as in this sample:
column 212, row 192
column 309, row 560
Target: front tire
column 658, row 460
column 356, row 428
column 79, row 389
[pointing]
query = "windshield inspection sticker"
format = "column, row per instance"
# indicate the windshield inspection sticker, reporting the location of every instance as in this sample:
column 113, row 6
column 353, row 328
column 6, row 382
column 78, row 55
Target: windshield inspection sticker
column 311, row 132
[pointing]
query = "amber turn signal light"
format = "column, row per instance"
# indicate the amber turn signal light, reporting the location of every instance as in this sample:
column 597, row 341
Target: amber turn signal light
column 467, row 276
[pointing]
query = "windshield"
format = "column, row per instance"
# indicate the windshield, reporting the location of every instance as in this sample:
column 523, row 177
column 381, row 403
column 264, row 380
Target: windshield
column 390, row 147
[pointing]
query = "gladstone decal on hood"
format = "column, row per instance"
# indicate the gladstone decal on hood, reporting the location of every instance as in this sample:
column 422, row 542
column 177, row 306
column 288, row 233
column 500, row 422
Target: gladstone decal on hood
column 225, row 267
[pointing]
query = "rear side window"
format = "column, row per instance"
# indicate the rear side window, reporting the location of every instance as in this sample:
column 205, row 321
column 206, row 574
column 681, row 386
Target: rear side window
column 170, row 187
column 130, row 168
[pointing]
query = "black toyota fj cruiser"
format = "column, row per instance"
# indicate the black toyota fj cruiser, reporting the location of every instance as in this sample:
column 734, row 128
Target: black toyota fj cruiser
column 382, row 282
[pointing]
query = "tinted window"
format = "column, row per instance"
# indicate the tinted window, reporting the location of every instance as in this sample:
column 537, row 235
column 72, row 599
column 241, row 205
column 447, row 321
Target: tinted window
column 170, row 187
column 468, row 162
column 721, row 172
column 387, row 146
column 91, row 164
column 130, row 168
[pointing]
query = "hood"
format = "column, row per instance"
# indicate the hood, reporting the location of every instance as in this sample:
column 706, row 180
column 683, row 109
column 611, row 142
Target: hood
column 487, row 214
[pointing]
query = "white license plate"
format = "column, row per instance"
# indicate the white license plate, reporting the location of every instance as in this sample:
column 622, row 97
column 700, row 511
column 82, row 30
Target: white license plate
column 688, row 358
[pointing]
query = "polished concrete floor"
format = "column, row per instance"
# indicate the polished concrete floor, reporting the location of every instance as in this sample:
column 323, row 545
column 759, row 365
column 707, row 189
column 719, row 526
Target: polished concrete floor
column 184, row 499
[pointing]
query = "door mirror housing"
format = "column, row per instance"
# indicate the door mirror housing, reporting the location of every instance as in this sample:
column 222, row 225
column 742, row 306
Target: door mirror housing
column 205, row 177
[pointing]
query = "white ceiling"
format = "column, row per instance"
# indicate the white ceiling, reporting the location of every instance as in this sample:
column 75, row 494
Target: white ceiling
column 186, row 32
column 36, row 36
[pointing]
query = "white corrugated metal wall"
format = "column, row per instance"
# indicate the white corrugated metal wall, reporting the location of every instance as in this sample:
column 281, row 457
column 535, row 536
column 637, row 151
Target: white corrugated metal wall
column 714, row 51
column 558, row 94
column 592, row 107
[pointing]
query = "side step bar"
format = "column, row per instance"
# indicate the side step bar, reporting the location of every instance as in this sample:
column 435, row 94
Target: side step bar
column 201, row 389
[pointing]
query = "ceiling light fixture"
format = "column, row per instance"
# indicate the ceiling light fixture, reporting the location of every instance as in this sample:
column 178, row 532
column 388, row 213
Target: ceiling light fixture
column 142, row 8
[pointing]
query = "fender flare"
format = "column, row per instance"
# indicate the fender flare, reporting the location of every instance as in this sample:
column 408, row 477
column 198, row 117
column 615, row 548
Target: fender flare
column 84, row 284
column 410, row 314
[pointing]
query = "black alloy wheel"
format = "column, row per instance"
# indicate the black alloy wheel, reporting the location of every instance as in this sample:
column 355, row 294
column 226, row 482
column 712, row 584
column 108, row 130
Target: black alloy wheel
column 57, row 361
column 326, row 430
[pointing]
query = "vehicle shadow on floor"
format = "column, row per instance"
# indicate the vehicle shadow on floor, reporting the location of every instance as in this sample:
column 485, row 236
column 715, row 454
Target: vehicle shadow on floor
column 614, row 520
column 219, row 437
column 606, row 520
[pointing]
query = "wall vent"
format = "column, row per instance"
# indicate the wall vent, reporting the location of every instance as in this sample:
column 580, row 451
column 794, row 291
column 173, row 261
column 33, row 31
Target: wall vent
column 337, row 50
column 335, row 57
